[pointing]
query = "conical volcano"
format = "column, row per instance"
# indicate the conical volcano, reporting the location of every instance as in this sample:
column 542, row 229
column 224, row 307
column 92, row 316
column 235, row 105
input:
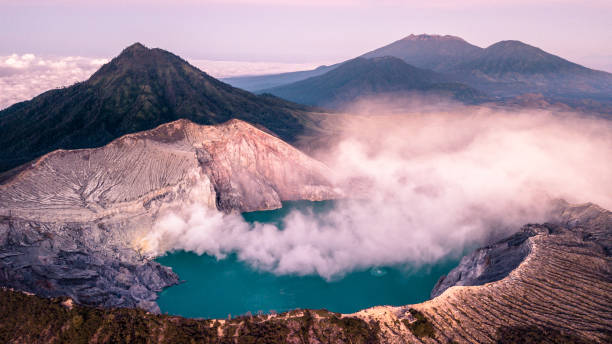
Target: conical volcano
column 138, row 90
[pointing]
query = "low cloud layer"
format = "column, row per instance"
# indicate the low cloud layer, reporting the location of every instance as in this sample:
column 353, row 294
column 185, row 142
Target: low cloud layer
column 23, row 77
column 423, row 185
column 226, row 69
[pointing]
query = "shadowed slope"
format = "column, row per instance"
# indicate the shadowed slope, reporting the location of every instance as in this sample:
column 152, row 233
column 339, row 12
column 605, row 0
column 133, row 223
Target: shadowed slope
column 511, row 68
column 363, row 77
column 423, row 51
column 138, row 90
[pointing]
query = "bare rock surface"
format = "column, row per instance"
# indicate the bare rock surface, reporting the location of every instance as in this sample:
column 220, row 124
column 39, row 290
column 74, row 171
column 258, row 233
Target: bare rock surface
column 496, row 261
column 559, row 291
column 69, row 221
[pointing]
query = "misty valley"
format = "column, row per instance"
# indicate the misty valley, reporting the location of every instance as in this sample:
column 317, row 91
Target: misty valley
column 213, row 288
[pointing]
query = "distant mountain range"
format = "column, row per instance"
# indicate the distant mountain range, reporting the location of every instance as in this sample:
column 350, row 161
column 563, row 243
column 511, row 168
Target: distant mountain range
column 262, row 82
column 138, row 90
column 503, row 70
column 143, row 88
column 510, row 68
column 362, row 77
column 438, row 53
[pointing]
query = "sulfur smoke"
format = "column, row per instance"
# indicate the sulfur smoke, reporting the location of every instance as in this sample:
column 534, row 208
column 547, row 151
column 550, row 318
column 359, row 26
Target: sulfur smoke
column 420, row 187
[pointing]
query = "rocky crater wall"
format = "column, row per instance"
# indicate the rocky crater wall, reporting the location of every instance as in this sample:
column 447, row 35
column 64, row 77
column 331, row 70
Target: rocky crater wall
column 559, row 293
column 69, row 221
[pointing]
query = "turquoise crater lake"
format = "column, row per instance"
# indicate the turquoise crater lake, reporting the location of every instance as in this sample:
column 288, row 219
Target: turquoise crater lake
column 215, row 288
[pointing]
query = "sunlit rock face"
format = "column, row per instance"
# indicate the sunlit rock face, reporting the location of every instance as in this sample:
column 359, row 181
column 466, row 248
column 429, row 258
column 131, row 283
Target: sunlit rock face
column 525, row 286
column 494, row 262
column 71, row 220
column 232, row 166
column 251, row 170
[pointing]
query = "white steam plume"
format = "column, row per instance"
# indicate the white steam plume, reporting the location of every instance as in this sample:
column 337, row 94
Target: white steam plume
column 424, row 187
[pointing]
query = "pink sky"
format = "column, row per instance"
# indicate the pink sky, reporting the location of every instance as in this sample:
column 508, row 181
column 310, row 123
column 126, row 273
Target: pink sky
column 300, row 31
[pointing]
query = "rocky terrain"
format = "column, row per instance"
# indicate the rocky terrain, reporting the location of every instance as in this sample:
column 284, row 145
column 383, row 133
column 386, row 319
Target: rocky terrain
column 549, row 283
column 70, row 221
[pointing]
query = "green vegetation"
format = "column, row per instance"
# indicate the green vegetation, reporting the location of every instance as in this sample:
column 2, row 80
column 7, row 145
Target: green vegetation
column 357, row 328
column 421, row 327
column 31, row 319
column 263, row 332
column 138, row 90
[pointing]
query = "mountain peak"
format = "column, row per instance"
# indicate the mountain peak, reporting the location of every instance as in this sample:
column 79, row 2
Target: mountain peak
column 512, row 44
column 428, row 37
column 363, row 77
column 517, row 50
column 137, row 90
column 134, row 48
column 138, row 61
column 140, row 54
column 436, row 52
column 524, row 65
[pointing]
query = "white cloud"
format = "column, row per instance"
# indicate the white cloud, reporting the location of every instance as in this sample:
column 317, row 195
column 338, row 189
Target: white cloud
column 25, row 76
column 435, row 183
column 225, row 69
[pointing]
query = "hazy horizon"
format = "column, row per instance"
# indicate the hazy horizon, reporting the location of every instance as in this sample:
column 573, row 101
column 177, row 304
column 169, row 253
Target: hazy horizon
column 50, row 44
column 311, row 32
column 25, row 75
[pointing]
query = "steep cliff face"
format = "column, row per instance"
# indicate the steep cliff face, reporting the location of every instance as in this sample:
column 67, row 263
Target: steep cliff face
column 558, row 292
column 234, row 165
column 70, row 220
column 496, row 261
